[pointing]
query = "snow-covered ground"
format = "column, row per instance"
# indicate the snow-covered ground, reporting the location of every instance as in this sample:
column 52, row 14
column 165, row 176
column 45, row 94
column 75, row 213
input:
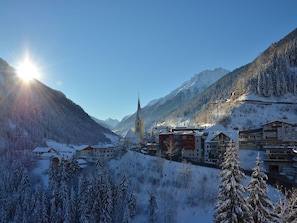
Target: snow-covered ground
column 184, row 191
column 252, row 111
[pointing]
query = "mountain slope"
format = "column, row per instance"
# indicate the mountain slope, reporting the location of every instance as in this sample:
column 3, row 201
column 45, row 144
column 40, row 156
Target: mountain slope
column 158, row 110
column 108, row 123
column 32, row 112
column 271, row 75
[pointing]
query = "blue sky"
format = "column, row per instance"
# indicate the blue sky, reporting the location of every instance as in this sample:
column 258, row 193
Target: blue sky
column 101, row 54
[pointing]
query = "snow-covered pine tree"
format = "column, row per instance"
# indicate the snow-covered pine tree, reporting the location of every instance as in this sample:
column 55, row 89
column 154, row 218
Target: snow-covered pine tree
column 100, row 163
column 231, row 206
column 82, row 199
column 121, row 199
column 53, row 172
column 43, row 207
column 132, row 204
column 258, row 199
column 106, row 201
column 286, row 208
column 63, row 170
column 74, row 204
column 67, row 209
column 261, row 84
column 152, row 208
column 269, row 86
column 126, row 216
column 73, row 167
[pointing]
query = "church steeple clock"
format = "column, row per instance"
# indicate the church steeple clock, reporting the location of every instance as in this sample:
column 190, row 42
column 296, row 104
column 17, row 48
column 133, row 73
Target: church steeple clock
column 139, row 124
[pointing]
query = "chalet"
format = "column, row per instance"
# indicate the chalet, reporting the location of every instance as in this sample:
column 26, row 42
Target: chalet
column 93, row 153
column 215, row 145
column 279, row 131
column 250, row 139
column 279, row 139
column 44, row 153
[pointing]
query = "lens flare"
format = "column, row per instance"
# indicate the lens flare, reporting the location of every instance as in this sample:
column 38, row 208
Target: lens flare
column 27, row 71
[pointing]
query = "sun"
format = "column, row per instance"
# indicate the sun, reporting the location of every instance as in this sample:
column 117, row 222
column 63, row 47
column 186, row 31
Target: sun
column 27, row 71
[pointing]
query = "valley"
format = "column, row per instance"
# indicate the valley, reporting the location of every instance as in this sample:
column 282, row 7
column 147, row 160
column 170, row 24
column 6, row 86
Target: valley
column 61, row 165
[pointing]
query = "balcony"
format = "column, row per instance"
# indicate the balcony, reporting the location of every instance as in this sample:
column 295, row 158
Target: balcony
column 278, row 159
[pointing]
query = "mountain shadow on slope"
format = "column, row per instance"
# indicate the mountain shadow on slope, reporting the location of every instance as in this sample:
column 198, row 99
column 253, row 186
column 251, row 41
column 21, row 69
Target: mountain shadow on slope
column 32, row 112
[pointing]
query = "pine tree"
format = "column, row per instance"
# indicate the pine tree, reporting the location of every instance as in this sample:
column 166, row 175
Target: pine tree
column 43, row 207
column 63, row 170
column 152, row 208
column 74, row 205
column 106, row 200
column 258, row 199
column 231, row 206
column 132, row 205
column 63, row 202
column 100, row 162
column 121, row 199
column 286, row 208
column 126, row 215
column 261, row 86
column 73, row 167
column 82, row 198
column 53, row 173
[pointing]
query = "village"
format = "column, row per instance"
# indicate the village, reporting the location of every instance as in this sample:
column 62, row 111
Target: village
column 277, row 140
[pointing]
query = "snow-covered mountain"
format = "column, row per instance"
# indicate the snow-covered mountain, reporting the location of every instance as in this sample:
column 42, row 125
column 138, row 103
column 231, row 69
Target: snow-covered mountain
column 248, row 97
column 157, row 110
column 194, row 86
column 32, row 112
column 262, row 91
column 108, row 123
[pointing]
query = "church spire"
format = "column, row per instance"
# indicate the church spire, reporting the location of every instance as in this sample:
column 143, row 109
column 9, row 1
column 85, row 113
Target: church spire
column 139, row 112
column 139, row 123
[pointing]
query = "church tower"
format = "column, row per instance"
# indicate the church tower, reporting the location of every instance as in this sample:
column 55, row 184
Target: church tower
column 139, row 124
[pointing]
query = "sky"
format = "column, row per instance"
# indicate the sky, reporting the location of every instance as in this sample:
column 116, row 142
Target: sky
column 103, row 54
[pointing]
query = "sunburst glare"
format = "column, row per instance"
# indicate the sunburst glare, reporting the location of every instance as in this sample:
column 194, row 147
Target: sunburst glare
column 27, row 70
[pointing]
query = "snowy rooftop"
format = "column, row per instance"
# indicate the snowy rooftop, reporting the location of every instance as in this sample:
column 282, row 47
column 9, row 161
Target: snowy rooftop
column 41, row 150
column 231, row 134
column 59, row 147
column 103, row 146
column 130, row 134
column 79, row 148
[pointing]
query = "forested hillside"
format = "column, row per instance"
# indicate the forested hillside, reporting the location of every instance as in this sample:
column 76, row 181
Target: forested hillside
column 32, row 112
column 272, row 74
